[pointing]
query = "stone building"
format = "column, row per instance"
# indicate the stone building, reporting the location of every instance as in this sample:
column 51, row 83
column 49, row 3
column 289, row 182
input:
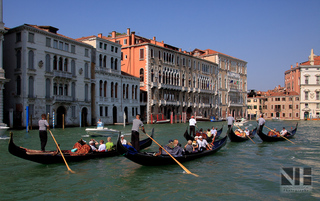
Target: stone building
column 310, row 87
column 49, row 73
column 171, row 80
column 113, row 93
column 292, row 79
column 231, row 82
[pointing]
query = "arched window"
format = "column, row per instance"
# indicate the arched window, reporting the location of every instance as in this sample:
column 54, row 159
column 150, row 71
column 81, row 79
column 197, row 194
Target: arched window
column 135, row 92
column 31, row 60
column 48, row 63
column 66, row 65
column 60, row 63
column 111, row 62
column 60, row 89
column 100, row 60
column 86, row 92
column 124, row 91
column 132, row 90
column 116, row 64
column 183, row 80
column 160, row 81
column 141, row 75
column 18, row 59
column 127, row 92
column 18, row 85
column 48, row 86
column 66, row 90
column 73, row 68
column 73, row 90
column 86, row 70
column 100, row 88
column 55, row 62
column 31, row 87
column 116, row 90
column 105, row 89
column 105, row 61
column 111, row 89
column 152, row 75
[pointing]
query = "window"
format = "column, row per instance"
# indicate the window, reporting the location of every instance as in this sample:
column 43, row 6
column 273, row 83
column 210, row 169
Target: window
column 106, row 111
column 133, row 111
column 73, row 111
column 73, row 49
column 290, row 107
column 86, row 87
column 151, row 53
column 48, row 86
column 18, row 37
column 73, row 68
column 86, row 52
column 66, row 47
column 283, row 114
column 141, row 55
column 141, row 75
column 306, row 81
column 112, row 48
column 318, row 105
column 283, row 106
column 55, row 44
column 100, row 45
column 317, row 79
column 254, row 107
column 116, row 90
column 116, row 50
column 111, row 89
column 283, row 99
column 31, row 87
column 86, row 70
column 101, row 111
column 306, row 105
column 55, row 89
column 60, row 89
column 297, row 98
column 60, row 45
column 31, row 37
column 297, row 106
column 48, row 63
column 18, row 85
column 48, row 42
column 18, row 56
column 297, row 114
column 317, row 95
column 73, row 90
column 31, row 60
column 105, row 47
column 306, row 95
column 116, row 64
column 125, row 41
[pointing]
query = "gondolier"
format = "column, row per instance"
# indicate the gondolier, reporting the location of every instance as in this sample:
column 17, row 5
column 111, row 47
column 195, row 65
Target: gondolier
column 135, row 132
column 230, row 121
column 192, row 126
column 43, row 126
column 261, row 123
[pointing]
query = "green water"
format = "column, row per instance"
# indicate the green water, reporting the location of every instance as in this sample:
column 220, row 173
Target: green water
column 239, row 171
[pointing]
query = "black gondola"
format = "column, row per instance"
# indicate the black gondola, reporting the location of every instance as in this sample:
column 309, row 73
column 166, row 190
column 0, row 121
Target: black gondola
column 267, row 138
column 148, row 158
column 187, row 136
column 51, row 157
column 235, row 138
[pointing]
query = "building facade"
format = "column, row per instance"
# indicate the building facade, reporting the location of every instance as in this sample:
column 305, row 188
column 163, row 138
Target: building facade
column 292, row 79
column 310, row 87
column 114, row 94
column 49, row 73
column 231, row 85
column 171, row 81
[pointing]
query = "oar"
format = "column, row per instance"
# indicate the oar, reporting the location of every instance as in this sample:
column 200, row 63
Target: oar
column 61, row 153
column 185, row 169
column 245, row 134
column 280, row 135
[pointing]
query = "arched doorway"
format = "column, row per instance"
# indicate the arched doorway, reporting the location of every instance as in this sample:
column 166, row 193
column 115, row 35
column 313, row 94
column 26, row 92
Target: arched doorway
column 169, row 113
column 84, row 115
column 277, row 114
column 189, row 111
column 60, row 112
column 114, row 114
column 126, row 112
column 306, row 115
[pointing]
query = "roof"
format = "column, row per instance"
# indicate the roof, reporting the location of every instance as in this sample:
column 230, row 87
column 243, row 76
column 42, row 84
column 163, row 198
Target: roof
column 211, row 52
column 316, row 61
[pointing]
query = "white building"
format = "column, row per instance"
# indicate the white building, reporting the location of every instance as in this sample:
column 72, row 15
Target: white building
column 49, row 73
column 310, row 87
column 114, row 93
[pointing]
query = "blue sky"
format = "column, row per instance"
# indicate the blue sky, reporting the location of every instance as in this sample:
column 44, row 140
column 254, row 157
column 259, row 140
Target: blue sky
column 271, row 35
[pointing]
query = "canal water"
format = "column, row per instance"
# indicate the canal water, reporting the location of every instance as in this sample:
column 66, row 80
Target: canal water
column 239, row 171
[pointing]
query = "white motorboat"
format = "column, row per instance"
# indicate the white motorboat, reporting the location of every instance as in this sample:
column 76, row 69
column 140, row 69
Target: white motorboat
column 3, row 129
column 101, row 131
column 240, row 122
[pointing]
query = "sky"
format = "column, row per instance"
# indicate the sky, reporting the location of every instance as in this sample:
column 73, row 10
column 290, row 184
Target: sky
column 270, row 35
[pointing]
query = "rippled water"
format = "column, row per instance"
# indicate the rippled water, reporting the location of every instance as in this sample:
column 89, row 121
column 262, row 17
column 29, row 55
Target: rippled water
column 239, row 171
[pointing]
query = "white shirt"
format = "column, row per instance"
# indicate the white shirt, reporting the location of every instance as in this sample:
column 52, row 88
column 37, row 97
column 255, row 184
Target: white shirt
column 124, row 141
column 247, row 132
column 192, row 122
column 283, row 132
column 102, row 147
column 93, row 147
column 214, row 132
column 203, row 143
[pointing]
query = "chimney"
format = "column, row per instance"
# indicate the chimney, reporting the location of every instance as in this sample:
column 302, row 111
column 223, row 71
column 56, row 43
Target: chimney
column 179, row 49
column 154, row 38
column 311, row 58
column 133, row 38
column 128, row 31
column 291, row 66
column 100, row 35
column 113, row 34
column 297, row 64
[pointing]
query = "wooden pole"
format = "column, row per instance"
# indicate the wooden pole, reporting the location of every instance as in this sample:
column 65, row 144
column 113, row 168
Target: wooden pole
column 62, row 121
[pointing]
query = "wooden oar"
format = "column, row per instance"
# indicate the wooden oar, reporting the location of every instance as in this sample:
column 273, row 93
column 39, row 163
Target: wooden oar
column 280, row 135
column 185, row 169
column 245, row 134
column 61, row 153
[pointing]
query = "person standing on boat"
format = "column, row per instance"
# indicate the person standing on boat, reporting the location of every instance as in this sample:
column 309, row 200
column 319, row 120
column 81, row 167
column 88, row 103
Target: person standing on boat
column 192, row 126
column 261, row 123
column 43, row 126
column 230, row 120
column 136, row 124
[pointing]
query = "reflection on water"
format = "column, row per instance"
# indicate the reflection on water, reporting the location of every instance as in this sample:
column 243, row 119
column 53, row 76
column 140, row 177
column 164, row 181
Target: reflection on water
column 239, row 171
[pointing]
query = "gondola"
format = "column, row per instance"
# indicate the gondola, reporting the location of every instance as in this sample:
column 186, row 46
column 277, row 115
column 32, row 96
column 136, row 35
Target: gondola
column 235, row 138
column 187, row 136
column 267, row 138
column 148, row 158
column 51, row 157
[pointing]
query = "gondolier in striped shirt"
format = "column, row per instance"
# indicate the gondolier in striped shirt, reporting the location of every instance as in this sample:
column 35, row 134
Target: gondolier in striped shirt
column 135, row 132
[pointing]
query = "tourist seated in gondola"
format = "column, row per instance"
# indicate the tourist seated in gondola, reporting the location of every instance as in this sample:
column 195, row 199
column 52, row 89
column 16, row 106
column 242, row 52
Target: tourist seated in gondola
column 213, row 131
column 109, row 144
column 81, row 147
column 123, row 141
column 195, row 146
column 284, row 132
column 173, row 148
column 209, row 133
column 92, row 145
column 102, row 147
column 239, row 132
column 274, row 133
column 246, row 131
column 203, row 144
column 188, row 147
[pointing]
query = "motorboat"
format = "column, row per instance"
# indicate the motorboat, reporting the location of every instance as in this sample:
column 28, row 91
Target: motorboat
column 240, row 122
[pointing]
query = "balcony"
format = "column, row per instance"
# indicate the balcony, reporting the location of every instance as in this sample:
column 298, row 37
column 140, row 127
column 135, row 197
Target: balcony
column 206, row 91
column 235, row 104
column 62, row 74
column 153, row 84
column 169, row 86
column 154, row 102
column 60, row 98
